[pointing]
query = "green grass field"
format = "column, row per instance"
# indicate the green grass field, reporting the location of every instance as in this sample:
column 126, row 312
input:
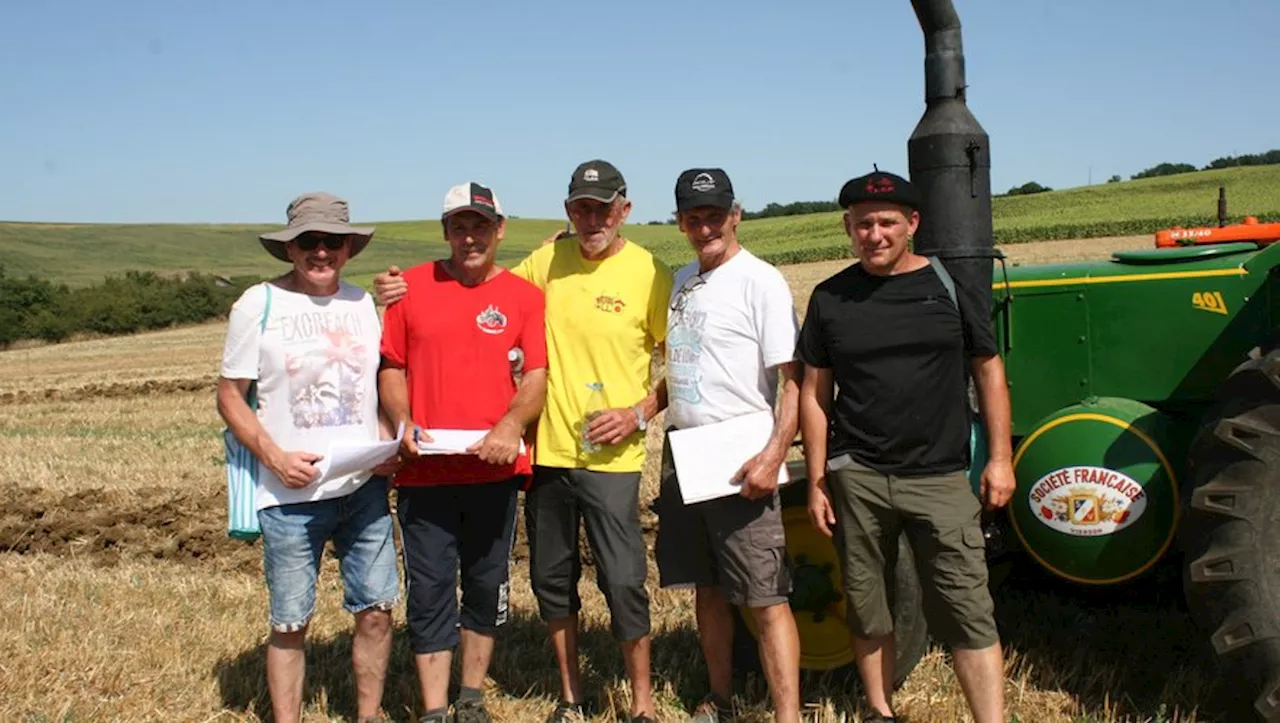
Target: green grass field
column 81, row 254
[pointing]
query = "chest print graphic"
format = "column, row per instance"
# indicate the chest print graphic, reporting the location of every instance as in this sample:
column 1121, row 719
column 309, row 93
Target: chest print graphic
column 611, row 303
column 326, row 380
column 684, row 350
column 491, row 320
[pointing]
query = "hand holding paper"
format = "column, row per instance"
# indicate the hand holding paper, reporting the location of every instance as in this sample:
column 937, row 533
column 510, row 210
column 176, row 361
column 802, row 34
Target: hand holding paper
column 345, row 458
column 501, row 445
column 454, row 441
column 759, row 476
column 711, row 460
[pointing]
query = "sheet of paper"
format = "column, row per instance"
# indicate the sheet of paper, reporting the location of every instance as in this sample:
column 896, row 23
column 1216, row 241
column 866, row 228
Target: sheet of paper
column 707, row 457
column 347, row 457
column 453, row 441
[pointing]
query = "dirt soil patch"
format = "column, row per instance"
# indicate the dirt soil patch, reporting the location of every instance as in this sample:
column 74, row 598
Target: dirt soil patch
column 183, row 526
column 97, row 390
column 160, row 523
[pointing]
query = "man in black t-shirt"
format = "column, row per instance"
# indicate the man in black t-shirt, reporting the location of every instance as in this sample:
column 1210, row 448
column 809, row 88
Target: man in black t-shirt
column 890, row 451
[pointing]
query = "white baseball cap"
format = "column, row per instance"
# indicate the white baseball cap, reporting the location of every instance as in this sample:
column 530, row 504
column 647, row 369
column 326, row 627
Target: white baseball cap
column 472, row 197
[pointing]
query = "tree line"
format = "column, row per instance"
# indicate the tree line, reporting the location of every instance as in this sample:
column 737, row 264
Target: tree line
column 1249, row 159
column 36, row 308
column 1163, row 169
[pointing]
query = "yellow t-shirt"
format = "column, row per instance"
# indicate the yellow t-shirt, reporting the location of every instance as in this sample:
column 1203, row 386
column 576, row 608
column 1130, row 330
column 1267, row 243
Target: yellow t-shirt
column 603, row 320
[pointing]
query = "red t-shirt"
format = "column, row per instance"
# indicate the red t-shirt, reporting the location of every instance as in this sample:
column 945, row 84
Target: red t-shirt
column 452, row 341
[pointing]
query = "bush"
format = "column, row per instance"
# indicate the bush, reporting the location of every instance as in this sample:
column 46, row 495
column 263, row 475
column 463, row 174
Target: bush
column 1027, row 189
column 33, row 308
column 1164, row 169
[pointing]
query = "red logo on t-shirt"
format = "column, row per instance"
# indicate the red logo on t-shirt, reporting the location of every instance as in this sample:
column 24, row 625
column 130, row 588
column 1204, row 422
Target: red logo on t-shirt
column 491, row 320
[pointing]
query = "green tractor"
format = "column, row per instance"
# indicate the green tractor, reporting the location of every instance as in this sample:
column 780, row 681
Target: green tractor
column 1146, row 410
column 1146, row 419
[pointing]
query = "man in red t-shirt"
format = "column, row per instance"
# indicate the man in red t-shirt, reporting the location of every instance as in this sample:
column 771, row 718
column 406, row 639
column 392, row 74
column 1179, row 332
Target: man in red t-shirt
column 445, row 369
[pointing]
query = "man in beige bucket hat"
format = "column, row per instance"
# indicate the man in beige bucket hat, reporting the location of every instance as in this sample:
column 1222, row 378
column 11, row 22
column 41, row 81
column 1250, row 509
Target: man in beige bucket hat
column 306, row 343
column 317, row 213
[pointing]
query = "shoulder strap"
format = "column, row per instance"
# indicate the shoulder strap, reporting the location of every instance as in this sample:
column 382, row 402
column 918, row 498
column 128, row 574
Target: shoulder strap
column 266, row 309
column 252, row 399
column 945, row 277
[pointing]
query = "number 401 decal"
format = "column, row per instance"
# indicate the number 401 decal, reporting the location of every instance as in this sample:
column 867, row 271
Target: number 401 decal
column 1209, row 301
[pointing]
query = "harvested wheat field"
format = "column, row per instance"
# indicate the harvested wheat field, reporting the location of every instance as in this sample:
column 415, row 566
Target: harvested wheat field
column 124, row 600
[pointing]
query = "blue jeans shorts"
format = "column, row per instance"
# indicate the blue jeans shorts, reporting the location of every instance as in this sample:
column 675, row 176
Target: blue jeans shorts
column 294, row 537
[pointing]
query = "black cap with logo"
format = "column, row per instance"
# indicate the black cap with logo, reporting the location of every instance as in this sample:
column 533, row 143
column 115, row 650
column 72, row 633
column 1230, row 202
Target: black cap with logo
column 597, row 180
column 703, row 187
column 882, row 187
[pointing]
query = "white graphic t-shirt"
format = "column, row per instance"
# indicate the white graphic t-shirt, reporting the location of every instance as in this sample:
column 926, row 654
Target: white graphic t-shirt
column 726, row 329
column 317, row 370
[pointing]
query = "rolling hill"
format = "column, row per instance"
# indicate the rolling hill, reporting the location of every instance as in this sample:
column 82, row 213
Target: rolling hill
column 81, row 254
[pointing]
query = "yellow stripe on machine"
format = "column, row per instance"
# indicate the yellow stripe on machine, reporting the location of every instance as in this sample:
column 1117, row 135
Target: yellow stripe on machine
column 1035, row 283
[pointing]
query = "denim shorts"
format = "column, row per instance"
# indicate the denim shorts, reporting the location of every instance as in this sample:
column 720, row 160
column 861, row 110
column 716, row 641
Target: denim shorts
column 294, row 537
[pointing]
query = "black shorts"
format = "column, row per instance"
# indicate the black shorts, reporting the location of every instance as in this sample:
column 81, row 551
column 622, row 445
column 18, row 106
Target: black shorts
column 732, row 543
column 609, row 504
column 442, row 526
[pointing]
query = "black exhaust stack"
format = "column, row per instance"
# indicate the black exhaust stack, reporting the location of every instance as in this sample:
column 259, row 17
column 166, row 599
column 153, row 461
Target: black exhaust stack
column 950, row 160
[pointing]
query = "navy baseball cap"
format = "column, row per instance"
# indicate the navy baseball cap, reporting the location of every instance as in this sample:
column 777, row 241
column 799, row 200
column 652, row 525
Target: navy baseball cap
column 703, row 187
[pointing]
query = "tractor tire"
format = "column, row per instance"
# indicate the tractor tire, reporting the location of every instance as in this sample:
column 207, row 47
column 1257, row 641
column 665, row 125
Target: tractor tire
column 826, row 652
column 1231, row 533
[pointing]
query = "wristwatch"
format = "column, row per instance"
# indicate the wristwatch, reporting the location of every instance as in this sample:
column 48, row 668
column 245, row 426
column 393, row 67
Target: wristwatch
column 641, row 424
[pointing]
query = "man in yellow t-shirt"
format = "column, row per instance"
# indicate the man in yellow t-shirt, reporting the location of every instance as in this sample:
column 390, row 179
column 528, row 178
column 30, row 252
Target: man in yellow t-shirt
column 606, row 314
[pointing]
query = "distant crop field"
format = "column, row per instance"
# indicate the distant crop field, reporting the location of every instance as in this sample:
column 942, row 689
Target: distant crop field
column 1138, row 207
column 82, row 254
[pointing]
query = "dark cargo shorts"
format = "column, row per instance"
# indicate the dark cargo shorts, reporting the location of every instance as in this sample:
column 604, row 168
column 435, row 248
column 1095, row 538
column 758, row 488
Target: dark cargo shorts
column 940, row 515
column 559, row 502
column 734, row 543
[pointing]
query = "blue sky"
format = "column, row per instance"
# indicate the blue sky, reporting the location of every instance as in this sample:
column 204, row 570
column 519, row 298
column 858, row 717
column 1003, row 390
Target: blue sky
column 222, row 111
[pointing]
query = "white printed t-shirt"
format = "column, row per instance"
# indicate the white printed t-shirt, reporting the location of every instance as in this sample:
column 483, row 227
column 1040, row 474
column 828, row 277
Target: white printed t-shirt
column 737, row 321
column 317, row 371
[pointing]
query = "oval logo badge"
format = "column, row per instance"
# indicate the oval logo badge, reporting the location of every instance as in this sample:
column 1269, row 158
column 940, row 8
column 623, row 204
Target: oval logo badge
column 1087, row 501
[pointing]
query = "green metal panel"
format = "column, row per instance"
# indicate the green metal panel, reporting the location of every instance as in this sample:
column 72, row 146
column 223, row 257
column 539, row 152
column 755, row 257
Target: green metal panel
column 1047, row 363
column 1097, row 495
column 1163, row 328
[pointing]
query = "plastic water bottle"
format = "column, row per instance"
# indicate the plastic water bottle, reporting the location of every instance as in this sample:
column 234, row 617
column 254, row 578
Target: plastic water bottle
column 595, row 405
column 516, row 358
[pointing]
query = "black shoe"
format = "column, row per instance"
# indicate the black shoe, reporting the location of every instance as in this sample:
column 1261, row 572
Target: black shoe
column 879, row 718
column 568, row 713
column 470, row 711
column 712, row 710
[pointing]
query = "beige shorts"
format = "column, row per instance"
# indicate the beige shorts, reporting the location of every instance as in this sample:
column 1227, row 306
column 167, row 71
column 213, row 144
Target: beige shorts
column 940, row 515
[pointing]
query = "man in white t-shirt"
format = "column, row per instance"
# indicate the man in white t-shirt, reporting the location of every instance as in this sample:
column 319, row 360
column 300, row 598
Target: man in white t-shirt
column 731, row 333
column 309, row 343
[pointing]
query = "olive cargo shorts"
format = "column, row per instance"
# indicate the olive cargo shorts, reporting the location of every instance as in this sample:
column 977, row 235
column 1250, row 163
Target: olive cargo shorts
column 940, row 515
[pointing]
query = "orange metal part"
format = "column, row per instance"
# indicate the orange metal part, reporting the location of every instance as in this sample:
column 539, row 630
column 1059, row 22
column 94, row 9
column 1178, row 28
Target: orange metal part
column 1249, row 230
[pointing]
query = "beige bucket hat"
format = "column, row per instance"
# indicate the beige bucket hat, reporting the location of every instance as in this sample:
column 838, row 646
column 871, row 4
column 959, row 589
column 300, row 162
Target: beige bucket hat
column 316, row 211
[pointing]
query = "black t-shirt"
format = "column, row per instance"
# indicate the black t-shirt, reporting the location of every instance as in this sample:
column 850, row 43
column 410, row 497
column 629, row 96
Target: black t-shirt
column 899, row 352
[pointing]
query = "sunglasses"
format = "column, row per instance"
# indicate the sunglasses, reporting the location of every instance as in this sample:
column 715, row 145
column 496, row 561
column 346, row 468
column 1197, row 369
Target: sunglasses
column 309, row 243
column 681, row 299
